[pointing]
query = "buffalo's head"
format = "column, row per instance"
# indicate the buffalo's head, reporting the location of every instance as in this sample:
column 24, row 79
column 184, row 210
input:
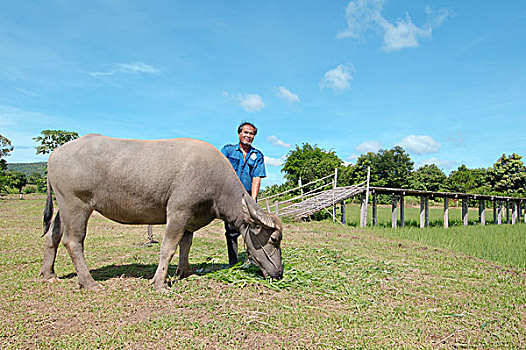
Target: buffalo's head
column 262, row 234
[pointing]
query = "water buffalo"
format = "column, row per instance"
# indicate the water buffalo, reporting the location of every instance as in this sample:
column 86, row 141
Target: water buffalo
column 183, row 183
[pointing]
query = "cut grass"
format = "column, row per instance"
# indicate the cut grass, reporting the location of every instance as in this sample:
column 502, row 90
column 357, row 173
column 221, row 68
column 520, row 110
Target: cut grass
column 343, row 288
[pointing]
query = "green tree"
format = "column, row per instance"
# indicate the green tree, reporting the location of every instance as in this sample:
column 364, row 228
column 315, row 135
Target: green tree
column 5, row 149
column 393, row 168
column 310, row 163
column 16, row 180
column 508, row 175
column 51, row 139
column 429, row 178
column 465, row 180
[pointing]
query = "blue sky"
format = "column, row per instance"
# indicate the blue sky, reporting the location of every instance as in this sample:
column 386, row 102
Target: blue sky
column 444, row 79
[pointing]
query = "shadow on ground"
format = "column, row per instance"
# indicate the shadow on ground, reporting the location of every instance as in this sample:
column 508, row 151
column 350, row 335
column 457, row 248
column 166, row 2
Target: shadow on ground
column 147, row 271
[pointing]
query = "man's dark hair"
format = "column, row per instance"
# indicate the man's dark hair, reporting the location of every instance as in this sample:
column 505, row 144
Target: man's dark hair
column 247, row 123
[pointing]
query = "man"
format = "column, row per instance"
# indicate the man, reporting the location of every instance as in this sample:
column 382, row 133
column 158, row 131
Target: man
column 249, row 165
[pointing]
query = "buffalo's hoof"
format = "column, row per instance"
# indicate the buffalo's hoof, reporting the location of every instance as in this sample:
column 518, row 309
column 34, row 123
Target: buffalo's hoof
column 95, row 287
column 53, row 279
column 184, row 273
column 160, row 286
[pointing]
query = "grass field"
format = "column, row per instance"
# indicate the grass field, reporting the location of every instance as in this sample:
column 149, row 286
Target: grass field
column 344, row 287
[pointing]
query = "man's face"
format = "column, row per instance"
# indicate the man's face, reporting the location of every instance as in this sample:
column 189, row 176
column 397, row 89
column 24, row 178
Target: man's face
column 246, row 136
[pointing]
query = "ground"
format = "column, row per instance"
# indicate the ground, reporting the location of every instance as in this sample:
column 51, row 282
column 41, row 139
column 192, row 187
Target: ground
column 343, row 288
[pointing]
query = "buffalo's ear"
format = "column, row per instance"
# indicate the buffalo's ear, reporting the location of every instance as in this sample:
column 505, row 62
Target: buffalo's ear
column 257, row 214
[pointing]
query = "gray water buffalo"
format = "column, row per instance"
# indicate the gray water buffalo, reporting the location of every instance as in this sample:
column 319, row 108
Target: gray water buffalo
column 183, row 183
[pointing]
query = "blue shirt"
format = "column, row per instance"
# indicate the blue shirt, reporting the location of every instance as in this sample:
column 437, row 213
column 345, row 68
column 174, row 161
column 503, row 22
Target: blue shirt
column 252, row 166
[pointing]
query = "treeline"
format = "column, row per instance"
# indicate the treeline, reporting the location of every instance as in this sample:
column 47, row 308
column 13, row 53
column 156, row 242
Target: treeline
column 29, row 177
column 394, row 168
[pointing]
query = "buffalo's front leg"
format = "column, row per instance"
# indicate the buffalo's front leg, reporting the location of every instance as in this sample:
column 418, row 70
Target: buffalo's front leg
column 172, row 237
column 183, row 268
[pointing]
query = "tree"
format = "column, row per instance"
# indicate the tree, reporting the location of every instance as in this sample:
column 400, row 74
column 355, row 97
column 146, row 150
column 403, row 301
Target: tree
column 52, row 139
column 310, row 163
column 465, row 180
column 5, row 150
column 16, row 180
column 508, row 175
column 429, row 178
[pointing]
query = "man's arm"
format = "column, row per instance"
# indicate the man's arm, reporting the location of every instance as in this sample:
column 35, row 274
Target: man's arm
column 256, row 183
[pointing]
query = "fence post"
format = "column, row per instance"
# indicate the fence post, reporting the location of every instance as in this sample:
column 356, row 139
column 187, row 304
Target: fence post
column 482, row 212
column 343, row 221
column 150, row 233
column 366, row 200
column 422, row 212
column 375, row 210
column 427, row 212
column 446, row 212
column 394, row 216
column 334, row 185
column 499, row 214
column 402, row 211
column 494, row 211
column 514, row 213
column 507, row 211
column 363, row 208
column 465, row 211
column 276, row 207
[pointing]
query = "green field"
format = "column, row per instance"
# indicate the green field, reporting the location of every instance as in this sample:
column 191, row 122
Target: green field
column 344, row 287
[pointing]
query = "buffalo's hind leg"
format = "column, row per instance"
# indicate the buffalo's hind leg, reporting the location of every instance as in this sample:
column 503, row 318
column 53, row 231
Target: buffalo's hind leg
column 52, row 240
column 74, row 221
column 183, row 268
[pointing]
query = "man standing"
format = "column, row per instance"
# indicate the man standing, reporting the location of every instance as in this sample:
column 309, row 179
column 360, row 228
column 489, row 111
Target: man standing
column 249, row 165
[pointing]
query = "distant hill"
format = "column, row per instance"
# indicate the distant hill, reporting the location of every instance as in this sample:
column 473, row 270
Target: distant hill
column 28, row 168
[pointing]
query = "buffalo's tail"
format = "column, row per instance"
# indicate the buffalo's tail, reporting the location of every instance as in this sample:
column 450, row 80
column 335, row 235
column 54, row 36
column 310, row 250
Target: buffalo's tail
column 48, row 210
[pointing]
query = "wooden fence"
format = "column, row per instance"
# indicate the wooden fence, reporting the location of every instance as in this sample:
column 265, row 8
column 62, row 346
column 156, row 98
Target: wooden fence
column 301, row 205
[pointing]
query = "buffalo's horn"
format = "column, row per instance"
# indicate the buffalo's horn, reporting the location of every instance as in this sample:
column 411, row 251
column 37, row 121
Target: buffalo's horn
column 258, row 215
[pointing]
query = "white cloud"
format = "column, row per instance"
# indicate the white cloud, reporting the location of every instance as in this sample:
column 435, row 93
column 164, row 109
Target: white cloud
column 274, row 161
column 338, row 79
column 403, row 34
column 287, row 95
column 363, row 15
column 368, row 146
column 127, row 68
column 275, row 141
column 251, row 102
column 420, row 144
column 441, row 163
